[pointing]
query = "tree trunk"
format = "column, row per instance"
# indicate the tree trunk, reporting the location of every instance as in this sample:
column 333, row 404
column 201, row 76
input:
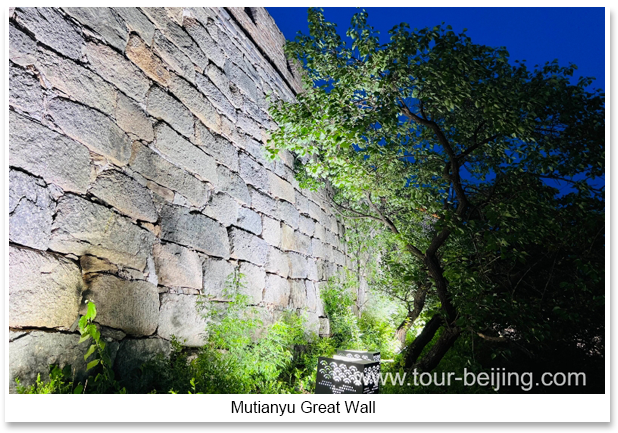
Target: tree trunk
column 438, row 350
column 422, row 340
column 419, row 303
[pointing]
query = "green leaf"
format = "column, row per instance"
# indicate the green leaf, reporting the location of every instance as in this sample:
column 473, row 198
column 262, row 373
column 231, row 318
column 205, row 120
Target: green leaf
column 83, row 338
column 78, row 389
column 92, row 364
column 90, row 351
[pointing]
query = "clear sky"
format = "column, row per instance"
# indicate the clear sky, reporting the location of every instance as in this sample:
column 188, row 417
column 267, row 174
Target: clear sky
column 538, row 35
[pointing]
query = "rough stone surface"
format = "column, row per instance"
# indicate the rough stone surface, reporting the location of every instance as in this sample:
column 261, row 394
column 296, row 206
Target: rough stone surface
column 263, row 203
column 298, row 294
column 298, row 265
column 44, row 289
column 133, row 353
column 180, row 63
column 255, row 281
column 246, row 246
column 153, row 167
column 194, row 230
column 105, row 22
column 177, row 266
column 45, row 153
column 137, row 22
column 132, row 119
column 277, row 291
column 163, row 106
column 278, row 262
column 132, row 306
column 288, row 213
column 116, row 69
column 216, row 273
column 217, row 147
column 83, row 227
column 31, row 210
column 233, row 184
column 25, row 92
column 222, row 208
column 288, row 238
column 22, row 48
column 253, row 173
column 215, row 96
column 249, row 220
column 195, row 101
column 142, row 56
column 52, row 29
column 179, row 317
column 125, row 194
column 93, row 129
column 185, row 154
column 271, row 231
column 281, row 188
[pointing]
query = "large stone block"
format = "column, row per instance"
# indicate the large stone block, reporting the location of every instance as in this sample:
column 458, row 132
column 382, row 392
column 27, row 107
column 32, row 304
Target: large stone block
column 263, row 203
column 312, row 296
column 31, row 210
column 214, row 95
column 125, row 194
column 132, row 306
column 247, row 246
column 277, row 291
column 222, row 208
column 140, row 54
column 229, row 89
column 288, row 238
column 195, row 101
column 180, row 318
column 278, row 262
column 93, row 129
column 218, row 147
column 153, row 167
column 116, row 69
column 253, row 173
column 241, row 79
column 83, row 227
column 132, row 119
column 306, row 225
column 46, row 153
column 216, row 273
column 298, row 265
column 205, row 41
column 233, row 184
column 194, row 230
column 298, row 294
column 25, row 92
column 177, row 266
column 281, row 188
column 52, row 29
column 163, row 106
column 185, row 154
column 249, row 220
column 288, row 214
column 255, row 281
column 76, row 81
column 44, row 289
column 22, row 48
column 105, row 22
column 271, row 231
column 137, row 22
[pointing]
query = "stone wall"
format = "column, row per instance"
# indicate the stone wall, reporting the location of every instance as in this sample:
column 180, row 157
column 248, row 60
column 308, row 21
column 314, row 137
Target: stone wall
column 137, row 179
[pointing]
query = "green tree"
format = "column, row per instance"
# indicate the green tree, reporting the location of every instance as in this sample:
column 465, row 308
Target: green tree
column 450, row 147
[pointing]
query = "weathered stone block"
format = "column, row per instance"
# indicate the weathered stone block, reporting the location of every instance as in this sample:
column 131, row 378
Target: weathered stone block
column 215, row 96
column 229, row 89
column 132, row 119
column 31, row 210
column 317, row 248
column 278, row 262
column 306, row 225
column 118, row 70
column 196, row 102
column 137, row 22
column 271, row 231
column 50, row 27
column 140, row 54
column 204, row 40
column 103, row 21
column 172, row 56
column 216, row 146
column 249, row 220
column 233, row 184
column 22, row 48
column 83, row 227
column 93, row 129
column 303, row 244
column 253, row 173
column 320, row 232
column 246, row 246
column 250, row 126
column 185, row 154
column 255, row 281
column 241, row 79
column 132, row 306
column 165, row 107
column 222, row 208
column 91, row 264
column 177, row 266
column 281, row 189
column 288, row 238
column 46, row 153
column 125, row 194
column 277, row 291
column 179, row 317
column 216, row 273
column 298, row 294
column 312, row 269
column 311, row 299
column 288, row 214
column 44, row 289
column 152, row 166
column 194, row 230
column 263, row 203
column 298, row 265
column 25, row 92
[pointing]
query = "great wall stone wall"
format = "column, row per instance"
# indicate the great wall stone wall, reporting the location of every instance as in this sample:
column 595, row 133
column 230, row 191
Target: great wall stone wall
column 137, row 179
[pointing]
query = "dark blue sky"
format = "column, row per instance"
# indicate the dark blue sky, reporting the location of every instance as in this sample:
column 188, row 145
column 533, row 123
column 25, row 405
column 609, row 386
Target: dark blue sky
column 538, row 35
